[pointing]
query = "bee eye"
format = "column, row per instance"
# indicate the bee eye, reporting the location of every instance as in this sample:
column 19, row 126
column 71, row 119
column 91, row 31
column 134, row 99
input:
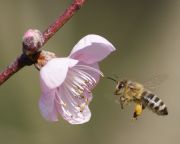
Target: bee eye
column 121, row 85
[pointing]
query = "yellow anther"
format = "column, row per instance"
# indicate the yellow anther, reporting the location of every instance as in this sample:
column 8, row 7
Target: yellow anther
column 82, row 96
column 86, row 101
column 82, row 107
column 86, row 81
column 79, row 91
column 63, row 104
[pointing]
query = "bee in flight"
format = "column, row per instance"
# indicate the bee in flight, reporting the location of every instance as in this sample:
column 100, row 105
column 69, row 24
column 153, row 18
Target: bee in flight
column 129, row 91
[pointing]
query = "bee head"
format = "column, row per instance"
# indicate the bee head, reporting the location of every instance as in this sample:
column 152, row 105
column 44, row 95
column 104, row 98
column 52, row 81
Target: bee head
column 120, row 87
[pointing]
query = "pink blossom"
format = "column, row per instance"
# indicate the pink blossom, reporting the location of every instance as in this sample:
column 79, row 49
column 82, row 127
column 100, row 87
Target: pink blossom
column 66, row 83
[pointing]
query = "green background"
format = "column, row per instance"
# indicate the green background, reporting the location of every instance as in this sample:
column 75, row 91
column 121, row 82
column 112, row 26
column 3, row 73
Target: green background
column 147, row 37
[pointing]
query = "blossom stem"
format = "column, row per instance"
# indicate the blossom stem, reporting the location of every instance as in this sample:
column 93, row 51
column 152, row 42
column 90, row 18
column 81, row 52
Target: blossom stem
column 22, row 60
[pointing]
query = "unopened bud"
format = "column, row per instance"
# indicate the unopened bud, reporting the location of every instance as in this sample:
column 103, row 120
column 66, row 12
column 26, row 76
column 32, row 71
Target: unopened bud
column 32, row 40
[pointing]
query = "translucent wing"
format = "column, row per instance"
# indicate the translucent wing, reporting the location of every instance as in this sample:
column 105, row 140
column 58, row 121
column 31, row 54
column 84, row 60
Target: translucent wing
column 155, row 81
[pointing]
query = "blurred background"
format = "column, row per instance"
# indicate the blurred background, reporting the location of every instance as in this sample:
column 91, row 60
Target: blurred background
column 147, row 37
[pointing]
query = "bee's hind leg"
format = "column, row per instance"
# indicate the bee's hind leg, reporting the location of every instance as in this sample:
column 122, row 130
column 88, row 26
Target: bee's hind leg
column 138, row 110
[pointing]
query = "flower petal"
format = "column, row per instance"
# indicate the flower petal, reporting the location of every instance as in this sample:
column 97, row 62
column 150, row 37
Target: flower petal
column 68, row 107
column 91, row 49
column 54, row 72
column 47, row 106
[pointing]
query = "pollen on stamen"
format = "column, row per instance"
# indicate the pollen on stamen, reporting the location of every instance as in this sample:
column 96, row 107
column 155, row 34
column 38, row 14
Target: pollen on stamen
column 80, row 91
column 64, row 104
column 82, row 107
column 79, row 83
column 60, row 102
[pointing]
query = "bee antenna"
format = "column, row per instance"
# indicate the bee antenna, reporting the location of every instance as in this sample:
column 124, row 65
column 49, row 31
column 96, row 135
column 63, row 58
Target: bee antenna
column 112, row 79
column 116, row 76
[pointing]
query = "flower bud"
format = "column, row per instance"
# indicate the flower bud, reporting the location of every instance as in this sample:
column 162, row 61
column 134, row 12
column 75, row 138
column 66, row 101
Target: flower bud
column 32, row 40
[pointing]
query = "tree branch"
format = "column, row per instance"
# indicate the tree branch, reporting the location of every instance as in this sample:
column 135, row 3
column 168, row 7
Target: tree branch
column 24, row 59
column 11, row 69
column 61, row 20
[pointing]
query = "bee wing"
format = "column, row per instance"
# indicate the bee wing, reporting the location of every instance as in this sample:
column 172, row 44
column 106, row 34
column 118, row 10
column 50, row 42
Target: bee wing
column 155, row 81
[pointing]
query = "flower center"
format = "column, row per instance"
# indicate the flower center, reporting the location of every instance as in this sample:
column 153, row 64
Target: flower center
column 80, row 81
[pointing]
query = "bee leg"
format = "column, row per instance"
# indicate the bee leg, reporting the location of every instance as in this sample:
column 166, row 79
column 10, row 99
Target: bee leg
column 138, row 110
column 122, row 101
column 122, row 105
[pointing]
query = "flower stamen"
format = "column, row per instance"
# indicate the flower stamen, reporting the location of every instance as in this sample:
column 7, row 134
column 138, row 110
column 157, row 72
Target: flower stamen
column 59, row 101
column 78, row 86
column 90, row 68
column 82, row 107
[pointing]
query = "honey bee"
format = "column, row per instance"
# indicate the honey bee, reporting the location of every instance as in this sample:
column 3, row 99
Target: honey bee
column 129, row 91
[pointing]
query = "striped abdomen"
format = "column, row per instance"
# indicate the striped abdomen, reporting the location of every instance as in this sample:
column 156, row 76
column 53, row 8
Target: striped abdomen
column 154, row 103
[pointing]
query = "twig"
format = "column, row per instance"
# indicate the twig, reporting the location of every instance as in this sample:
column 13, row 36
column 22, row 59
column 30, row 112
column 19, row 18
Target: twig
column 61, row 20
column 23, row 59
